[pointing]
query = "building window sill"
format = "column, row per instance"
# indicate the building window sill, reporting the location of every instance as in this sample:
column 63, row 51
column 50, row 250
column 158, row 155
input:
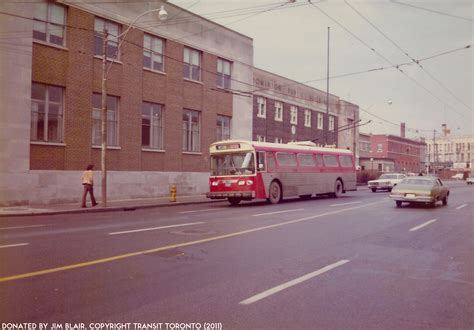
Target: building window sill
column 192, row 153
column 44, row 43
column 153, row 150
column 194, row 81
column 99, row 57
column 52, row 144
column 108, row 147
column 154, row 71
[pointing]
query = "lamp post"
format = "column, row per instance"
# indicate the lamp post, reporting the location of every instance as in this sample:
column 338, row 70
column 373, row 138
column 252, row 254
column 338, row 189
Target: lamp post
column 162, row 15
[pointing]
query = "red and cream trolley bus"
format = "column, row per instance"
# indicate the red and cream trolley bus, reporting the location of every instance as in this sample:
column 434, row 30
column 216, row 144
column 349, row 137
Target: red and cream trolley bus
column 246, row 170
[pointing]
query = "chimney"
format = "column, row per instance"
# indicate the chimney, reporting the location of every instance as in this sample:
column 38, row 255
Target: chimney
column 402, row 130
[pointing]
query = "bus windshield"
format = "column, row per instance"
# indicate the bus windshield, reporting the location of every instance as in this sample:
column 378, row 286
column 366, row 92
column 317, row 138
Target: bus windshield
column 233, row 164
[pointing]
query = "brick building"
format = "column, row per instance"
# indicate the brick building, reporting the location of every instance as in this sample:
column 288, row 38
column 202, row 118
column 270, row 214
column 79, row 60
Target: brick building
column 170, row 93
column 166, row 96
column 391, row 153
column 286, row 111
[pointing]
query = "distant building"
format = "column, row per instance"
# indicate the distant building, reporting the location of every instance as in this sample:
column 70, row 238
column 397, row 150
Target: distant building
column 364, row 145
column 450, row 151
column 391, row 153
column 286, row 111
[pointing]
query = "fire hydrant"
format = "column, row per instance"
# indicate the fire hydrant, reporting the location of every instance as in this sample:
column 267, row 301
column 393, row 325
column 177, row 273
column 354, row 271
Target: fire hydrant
column 173, row 193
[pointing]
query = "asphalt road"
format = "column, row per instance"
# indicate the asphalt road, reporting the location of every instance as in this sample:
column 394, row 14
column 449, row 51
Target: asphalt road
column 355, row 262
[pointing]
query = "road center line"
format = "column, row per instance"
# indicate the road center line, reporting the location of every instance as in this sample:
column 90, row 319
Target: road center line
column 21, row 227
column 13, row 245
column 178, row 245
column 155, row 228
column 423, row 225
column 461, row 206
column 277, row 212
column 183, row 212
column 348, row 203
column 291, row 283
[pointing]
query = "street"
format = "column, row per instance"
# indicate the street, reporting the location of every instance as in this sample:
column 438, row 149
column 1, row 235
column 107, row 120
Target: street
column 355, row 262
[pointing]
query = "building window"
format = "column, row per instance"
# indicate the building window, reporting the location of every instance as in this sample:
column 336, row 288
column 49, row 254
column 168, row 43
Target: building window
column 112, row 120
column 223, row 128
column 223, row 73
column 262, row 107
column 320, row 121
column 191, row 131
column 331, row 123
column 113, row 30
column 46, row 113
column 293, row 115
column 379, row 147
column 153, row 50
column 278, row 111
column 307, row 118
column 49, row 23
column 278, row 140
column 261, row 138
column 192, row 64
column 152, row 125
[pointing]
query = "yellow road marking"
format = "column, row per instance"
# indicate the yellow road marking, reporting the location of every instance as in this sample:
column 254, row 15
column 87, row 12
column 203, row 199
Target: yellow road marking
column 173, row 246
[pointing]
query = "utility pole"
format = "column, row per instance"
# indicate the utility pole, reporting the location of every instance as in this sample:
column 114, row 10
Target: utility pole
column 326, row 127
column 103, row 117
column 435, row 151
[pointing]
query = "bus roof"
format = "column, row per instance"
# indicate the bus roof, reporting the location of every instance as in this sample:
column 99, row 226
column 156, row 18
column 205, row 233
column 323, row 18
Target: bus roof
column 296, row 146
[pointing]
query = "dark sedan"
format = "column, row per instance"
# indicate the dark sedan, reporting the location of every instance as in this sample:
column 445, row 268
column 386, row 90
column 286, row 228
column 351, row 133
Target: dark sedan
column 428, row 190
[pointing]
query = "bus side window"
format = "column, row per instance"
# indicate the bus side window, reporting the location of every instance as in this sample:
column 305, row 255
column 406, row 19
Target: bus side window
column 261, row 161
column 319, row 160
column 270, row 162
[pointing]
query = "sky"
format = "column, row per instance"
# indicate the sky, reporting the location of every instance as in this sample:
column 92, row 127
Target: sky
column 368, row 39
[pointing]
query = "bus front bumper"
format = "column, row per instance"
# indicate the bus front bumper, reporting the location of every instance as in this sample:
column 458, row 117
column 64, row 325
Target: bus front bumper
column 248, row 195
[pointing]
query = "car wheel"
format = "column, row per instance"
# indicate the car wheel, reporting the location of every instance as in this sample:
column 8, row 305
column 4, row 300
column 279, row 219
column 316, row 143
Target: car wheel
column 445, row 200
column 374, row 190
column 234, row 200
column 389, row 189
column 275, row 193
column 398, row 203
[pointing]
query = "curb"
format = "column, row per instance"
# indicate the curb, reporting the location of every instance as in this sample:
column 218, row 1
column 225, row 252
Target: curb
column 107, row 209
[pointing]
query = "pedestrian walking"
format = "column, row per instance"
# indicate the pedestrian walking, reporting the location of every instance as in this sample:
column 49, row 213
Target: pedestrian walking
column 88, row 183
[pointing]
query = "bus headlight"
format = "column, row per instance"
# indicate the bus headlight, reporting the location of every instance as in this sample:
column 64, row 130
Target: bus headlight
column 243, row 183
column 215, row 183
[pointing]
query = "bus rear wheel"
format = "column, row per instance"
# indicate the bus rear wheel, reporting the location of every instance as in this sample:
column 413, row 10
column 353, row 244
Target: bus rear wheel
column 275, row 193
column 337, row 189
column 234, row 200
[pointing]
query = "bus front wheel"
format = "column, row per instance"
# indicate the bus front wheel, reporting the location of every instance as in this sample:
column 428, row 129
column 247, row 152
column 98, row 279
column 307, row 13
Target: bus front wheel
column 275, row 193
column 234, row 200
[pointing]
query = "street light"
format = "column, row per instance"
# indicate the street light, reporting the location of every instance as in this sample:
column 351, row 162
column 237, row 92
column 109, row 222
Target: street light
column 162, row 15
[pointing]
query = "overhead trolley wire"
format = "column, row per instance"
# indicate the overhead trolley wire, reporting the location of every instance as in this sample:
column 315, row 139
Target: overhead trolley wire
column 408, row 55
column 285, row 85
column 431, row 10
column 387, row 60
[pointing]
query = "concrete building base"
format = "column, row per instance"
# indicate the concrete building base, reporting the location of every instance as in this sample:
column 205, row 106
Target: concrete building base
column 52, row 187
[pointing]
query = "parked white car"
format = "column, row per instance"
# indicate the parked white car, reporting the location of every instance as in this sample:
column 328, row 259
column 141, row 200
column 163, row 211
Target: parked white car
column 458, row 176
column 386, row 182
column 470, row 179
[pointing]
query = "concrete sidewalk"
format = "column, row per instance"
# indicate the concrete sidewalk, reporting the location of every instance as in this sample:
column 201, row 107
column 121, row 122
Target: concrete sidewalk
column 112, row 205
